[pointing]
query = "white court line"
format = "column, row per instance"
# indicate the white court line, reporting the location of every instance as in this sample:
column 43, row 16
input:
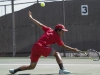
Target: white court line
column 50, row 64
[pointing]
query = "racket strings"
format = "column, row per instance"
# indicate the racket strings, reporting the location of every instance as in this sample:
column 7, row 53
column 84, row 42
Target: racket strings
column 93, row 55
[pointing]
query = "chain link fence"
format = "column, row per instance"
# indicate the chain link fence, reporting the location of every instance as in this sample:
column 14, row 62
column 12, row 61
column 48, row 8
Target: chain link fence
column 83, row 29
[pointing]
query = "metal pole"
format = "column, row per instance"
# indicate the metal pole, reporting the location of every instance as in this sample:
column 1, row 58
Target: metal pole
column 37, row 1
column 13, row 28
column 64, row 52
column 5, row 9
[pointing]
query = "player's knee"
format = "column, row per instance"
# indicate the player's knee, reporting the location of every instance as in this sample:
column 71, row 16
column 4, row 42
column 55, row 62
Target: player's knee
column 56, row 54
column 31, row 67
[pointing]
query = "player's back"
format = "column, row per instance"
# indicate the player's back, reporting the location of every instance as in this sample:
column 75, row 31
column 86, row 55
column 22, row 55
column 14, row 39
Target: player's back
column 48, row 38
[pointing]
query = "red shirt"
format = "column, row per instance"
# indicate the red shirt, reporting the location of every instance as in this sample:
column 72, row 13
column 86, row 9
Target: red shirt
column 49, row 37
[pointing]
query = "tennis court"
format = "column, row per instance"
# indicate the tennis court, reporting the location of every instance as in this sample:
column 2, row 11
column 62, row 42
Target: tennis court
column 48, row 66
column 18, row 34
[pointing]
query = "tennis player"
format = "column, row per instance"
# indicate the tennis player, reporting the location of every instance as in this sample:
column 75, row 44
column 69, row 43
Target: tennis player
column 42, row 46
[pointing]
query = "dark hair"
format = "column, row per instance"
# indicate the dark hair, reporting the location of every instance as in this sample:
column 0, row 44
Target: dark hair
column 57, row 30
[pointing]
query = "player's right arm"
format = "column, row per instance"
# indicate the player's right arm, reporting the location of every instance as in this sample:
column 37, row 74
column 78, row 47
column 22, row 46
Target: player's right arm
column 69, row 48
column 34, row 20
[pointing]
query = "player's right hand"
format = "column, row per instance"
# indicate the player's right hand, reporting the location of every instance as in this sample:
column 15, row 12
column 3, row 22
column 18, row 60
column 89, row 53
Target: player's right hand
column 77, row 50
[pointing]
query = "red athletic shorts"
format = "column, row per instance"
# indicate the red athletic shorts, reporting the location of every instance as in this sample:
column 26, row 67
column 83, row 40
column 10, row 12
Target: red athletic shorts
column 38, row 50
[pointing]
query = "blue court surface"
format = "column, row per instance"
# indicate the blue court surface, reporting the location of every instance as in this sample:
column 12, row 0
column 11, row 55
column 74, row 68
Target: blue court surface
column 48, row 66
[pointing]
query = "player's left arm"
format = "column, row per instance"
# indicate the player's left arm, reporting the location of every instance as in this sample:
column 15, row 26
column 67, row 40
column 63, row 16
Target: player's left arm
column 34, row 20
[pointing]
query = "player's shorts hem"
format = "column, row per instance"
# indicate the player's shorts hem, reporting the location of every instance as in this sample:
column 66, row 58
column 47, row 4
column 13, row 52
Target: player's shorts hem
column 51, row 52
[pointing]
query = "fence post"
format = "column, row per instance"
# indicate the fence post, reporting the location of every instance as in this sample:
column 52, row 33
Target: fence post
column 64, row 52
column 13, row 28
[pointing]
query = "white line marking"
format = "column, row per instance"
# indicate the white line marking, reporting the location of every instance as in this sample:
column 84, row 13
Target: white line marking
column 50, row 64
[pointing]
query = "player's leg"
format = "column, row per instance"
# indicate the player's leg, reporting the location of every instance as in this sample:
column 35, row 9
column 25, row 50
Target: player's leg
column 60, row 62
column 58, row 59
column 34, row 59
column 47, row 51
column 24, row 67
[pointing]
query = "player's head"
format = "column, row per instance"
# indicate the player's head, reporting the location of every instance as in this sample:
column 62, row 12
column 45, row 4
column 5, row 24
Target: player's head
column 60, row 29
column 60, row 26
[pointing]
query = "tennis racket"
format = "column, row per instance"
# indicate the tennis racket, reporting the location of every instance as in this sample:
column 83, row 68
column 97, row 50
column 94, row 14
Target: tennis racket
column 92, row 54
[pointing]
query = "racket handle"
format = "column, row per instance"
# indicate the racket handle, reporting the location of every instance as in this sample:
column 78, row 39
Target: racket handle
column 84, row 53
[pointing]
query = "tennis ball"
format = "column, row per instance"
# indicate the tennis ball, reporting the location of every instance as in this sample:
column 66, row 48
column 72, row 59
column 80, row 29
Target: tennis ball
column 42, row 4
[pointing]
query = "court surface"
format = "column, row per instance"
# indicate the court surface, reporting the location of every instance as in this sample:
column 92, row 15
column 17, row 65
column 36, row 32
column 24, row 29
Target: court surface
column 48, row 66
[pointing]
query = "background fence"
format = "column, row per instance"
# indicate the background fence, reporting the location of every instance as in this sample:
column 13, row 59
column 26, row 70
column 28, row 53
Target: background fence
column 81, row 18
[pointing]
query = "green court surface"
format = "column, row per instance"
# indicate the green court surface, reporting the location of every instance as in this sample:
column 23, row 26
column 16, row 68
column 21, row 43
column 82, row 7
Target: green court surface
column 48, row 66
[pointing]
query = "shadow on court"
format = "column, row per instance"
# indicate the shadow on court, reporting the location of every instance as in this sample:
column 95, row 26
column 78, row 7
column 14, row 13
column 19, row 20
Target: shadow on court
column 19, row 74
column 56, row 74
column 34, row 74
column 37, row 74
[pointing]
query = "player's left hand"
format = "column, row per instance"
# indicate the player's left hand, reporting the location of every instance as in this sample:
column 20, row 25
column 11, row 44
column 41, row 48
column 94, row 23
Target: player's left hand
column 30, row 14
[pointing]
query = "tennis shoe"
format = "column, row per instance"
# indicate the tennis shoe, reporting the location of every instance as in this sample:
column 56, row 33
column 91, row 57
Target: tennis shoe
column 64, row 71
column 11, row 71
